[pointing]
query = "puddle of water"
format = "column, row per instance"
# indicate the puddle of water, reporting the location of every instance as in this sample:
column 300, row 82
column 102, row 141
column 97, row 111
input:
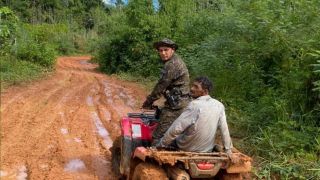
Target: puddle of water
column 78, row 140
column 99, row 126
column 64, row 130
column 101, row 130
column 89, row 101
column 22, row 173
column 3, row 173
column 108, row 92
column 75, row 165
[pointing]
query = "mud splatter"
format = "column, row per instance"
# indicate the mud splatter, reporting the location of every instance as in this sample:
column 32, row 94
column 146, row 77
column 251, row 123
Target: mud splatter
column 64, row 131
column 3, row 173
column 75, row 165
column 78, row 140
column 22, row 173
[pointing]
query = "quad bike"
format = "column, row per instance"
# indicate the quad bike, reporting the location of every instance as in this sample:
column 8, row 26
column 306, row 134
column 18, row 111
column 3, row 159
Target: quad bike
column 133, row 158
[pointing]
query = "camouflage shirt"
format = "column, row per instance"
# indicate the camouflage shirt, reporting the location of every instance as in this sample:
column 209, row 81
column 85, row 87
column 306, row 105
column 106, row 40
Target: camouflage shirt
column 174, row 76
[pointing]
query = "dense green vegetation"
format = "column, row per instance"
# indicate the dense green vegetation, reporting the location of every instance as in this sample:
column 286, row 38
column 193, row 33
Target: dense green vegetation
column 33, row 33
column 263, row 56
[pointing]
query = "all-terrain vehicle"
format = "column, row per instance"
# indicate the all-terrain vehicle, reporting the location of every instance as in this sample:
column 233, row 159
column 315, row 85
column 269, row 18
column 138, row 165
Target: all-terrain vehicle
column 133, row 158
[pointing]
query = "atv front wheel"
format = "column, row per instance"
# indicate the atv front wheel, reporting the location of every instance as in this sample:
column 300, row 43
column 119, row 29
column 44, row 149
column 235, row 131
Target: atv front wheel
column 148, row 171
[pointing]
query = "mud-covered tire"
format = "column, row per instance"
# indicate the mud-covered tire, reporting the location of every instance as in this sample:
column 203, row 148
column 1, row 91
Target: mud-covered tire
column 148, row 171
column 116, row 156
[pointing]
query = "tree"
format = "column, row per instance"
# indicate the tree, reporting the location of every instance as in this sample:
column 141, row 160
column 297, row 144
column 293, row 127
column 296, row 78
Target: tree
column 8, row 28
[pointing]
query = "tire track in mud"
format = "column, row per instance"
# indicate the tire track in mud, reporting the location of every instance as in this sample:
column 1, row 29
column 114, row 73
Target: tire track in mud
column 50, row 128
column 111, row 105
column 56, row 98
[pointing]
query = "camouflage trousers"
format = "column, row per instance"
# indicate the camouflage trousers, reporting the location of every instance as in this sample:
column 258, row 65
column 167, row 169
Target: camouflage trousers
column 167, row 117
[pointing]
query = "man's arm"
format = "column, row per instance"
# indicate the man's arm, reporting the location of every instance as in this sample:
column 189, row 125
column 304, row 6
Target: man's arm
column 226, row 139
column 166, row 78
column 187, row 118
column 162, row 84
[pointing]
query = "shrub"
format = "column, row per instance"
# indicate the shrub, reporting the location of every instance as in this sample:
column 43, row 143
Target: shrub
column 14, row 71
column 38, row 53
column 8, row 28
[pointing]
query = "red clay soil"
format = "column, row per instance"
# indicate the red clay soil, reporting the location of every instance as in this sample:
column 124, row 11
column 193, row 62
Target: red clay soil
column 62, row 127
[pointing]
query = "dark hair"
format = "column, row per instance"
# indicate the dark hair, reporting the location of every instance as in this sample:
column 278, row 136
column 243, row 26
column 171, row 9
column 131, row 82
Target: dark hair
column 205, row 83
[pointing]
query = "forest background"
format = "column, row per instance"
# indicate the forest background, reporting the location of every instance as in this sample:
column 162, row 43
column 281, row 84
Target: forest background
column 263, row 56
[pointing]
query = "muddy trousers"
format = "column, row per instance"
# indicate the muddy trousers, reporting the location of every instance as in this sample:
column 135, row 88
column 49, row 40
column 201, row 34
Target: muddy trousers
column 167, row 117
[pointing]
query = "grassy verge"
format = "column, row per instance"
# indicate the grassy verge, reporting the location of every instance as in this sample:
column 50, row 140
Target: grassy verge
column 14, row 71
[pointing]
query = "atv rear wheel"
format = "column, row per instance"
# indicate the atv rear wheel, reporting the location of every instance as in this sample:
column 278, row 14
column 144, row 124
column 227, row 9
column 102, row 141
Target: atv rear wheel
column 148, row 171
column 116, row 156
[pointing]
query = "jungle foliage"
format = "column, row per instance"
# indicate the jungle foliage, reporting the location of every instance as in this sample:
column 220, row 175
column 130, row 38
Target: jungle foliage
column 34, row 32
column 262, row 55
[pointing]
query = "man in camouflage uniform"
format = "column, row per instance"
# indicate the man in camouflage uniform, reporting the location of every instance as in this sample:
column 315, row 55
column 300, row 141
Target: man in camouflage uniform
column 173, row 85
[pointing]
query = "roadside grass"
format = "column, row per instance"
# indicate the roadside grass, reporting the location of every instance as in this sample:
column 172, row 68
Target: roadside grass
column 13, row 72
column 277, row 154
column 287, row 167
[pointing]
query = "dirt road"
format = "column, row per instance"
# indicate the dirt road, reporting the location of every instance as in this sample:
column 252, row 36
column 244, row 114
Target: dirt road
column 62, row 127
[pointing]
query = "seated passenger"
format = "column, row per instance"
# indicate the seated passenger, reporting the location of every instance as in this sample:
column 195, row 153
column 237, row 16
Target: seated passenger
column 195, row 129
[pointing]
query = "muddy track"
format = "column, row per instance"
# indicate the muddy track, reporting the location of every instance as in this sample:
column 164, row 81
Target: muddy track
column 62, row 127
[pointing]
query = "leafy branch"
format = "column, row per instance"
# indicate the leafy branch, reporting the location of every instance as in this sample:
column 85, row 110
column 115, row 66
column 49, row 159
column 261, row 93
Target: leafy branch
column 316, row 66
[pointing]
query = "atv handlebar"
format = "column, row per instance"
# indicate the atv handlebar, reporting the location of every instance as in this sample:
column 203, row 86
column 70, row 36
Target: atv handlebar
column 141, row 115
column 147, row 116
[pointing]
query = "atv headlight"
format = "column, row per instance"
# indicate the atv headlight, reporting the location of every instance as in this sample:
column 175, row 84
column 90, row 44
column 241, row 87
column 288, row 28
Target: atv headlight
column 136, row 130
